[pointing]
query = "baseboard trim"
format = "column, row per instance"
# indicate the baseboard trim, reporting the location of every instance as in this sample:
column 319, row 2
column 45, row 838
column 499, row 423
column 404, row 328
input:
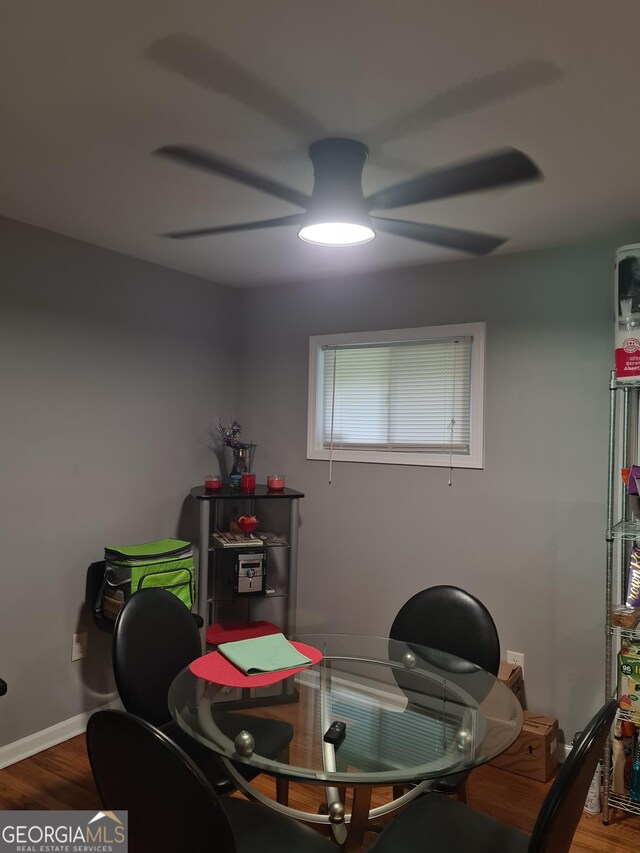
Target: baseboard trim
column 30, row 745
column 27, row 746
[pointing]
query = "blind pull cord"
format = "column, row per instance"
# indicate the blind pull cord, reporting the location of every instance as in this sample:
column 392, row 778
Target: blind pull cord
column 452, row 424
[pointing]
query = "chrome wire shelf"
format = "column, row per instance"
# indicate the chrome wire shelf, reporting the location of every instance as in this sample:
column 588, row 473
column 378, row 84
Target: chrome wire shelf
column 627, row 383
column 631, row 716
column 623, row 451
column 626, row 529
column 626, row 633
column 626, row 803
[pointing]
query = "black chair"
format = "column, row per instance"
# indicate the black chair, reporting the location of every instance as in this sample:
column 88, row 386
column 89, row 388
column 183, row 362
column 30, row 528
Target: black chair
column 455, row 828
column 172, row 807
column 453, row 621
column 154, row 638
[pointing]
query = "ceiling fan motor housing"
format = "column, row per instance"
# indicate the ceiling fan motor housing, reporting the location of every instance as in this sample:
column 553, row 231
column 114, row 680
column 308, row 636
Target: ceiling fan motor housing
column 337, row 191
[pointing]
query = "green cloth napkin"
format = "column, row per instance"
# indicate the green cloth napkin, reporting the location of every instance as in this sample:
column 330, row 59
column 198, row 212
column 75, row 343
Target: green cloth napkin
column 263, row 654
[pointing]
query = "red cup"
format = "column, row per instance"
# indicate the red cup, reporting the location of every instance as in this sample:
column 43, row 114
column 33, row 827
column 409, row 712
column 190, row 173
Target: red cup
column 248, row 482
column 213, row 482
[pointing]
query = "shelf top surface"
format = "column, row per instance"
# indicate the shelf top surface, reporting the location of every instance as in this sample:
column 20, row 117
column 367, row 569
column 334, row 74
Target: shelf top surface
column 626, row 529
column 227, row 492
column 626, row 383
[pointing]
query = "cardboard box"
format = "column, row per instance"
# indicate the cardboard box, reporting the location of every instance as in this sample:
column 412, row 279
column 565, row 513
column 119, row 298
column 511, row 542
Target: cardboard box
column 511, row 675
column 535, row 751
column 496, row 705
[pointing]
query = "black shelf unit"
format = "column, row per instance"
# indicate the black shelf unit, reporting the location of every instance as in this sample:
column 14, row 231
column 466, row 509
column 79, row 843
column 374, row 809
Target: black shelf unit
column 277, row 513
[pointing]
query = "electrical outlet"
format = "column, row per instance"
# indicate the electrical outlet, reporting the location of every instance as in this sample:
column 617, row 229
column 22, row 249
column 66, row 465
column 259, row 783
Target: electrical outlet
column 517, row 659
column 79, row 646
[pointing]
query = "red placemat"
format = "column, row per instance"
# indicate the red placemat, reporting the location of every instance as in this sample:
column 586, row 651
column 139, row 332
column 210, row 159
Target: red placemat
column 215, row 667
column 229, row 632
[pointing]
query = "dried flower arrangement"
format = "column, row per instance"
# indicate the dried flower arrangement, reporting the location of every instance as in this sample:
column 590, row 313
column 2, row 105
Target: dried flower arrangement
column 229, row 434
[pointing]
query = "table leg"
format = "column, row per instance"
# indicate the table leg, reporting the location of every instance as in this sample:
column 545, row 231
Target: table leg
column 282, row 790
column 338, row 827
column 359, row 817
column 348, row 833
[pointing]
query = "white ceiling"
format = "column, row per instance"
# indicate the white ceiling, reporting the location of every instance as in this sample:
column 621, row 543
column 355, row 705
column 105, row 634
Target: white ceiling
column 85, row 96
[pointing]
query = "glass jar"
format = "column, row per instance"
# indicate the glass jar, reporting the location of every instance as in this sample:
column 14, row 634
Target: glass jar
column 247, row 481
column 275, row 482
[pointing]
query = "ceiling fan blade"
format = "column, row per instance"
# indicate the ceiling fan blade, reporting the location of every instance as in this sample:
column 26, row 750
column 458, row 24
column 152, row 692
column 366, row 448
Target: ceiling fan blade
column 294, row 219
column 199, row 62
column 473, row 95
column 497, row 169
column 438, row 235
column 195, row 158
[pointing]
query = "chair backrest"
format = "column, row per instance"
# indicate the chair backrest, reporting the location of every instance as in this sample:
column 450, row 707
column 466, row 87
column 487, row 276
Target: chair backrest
column 171, row 805
column 452, row 620
column 153, row 639
column 563, row 805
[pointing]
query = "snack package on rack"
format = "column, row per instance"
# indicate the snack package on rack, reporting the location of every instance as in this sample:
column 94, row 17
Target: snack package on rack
column 633, row 583
column 634, row 784
column 630, row 480
column 625, row 617
column 627, row 308
column 629, row 739
column 629, row 679
column 622, row 748
column 618, row 785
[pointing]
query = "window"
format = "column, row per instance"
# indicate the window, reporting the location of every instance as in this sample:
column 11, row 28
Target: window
column 403, row 396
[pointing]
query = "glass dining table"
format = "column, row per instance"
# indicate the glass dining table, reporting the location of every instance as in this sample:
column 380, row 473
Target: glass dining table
column 412, row 715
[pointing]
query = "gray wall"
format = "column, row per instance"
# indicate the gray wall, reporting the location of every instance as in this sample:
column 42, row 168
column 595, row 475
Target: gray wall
column 526, row 534
column 111, row 370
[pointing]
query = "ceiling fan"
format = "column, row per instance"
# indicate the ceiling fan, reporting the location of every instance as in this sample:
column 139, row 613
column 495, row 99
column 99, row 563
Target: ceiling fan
column 338, row 214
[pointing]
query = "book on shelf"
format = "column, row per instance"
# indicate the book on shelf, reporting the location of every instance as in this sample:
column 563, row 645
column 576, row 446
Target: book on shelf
column 270, row 538
column 229, row 539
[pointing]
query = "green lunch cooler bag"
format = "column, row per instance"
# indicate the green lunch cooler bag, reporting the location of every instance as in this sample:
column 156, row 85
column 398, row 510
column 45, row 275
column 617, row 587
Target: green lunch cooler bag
column 165, row 564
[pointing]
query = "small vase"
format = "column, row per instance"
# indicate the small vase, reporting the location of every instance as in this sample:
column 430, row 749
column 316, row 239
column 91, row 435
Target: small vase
column 242, row 463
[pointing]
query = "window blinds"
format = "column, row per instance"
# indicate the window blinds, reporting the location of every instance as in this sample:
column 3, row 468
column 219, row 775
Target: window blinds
column 411, row 396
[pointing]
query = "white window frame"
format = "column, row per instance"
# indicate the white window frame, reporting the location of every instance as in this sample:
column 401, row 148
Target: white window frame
column 473, row 459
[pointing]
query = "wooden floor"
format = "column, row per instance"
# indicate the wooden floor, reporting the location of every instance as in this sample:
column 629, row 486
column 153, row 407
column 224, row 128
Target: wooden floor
column 60, row 778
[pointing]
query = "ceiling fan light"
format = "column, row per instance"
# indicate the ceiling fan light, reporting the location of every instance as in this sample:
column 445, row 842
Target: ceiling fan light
column 337, row 214
column 336, row 233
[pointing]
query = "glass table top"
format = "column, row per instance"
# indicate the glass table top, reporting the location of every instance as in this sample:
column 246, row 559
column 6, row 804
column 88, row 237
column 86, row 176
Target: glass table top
column 411, row 713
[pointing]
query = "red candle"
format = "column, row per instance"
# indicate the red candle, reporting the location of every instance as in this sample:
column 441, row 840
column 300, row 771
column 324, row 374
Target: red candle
column 213, row 481
column 248, row 482
column 275, row 482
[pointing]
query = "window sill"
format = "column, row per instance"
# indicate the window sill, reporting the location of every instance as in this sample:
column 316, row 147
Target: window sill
column 436, row 460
